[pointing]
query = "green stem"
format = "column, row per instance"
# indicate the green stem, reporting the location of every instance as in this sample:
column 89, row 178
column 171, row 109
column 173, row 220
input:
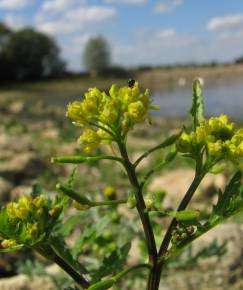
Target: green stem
column 51, row 255
column 107, row 202
column 155, row 275
column 123, row 273
column 141, row 207
column 169, row 141
column 185, row 201
column 82, row 159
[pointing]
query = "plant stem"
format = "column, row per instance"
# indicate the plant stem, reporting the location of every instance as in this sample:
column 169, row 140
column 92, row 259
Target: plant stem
column 51, row 255
column 169, row 141
column 108, row 202
column 155, row 274
column 183, row 204
column 147, row 227
column 123, row 273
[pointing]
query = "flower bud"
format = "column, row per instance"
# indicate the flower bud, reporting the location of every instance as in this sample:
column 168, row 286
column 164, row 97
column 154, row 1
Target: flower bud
column 8, row 243
column 110, row 192
column 184, row 143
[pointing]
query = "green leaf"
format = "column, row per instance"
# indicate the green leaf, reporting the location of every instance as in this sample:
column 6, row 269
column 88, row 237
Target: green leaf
column 90, row 233
column 113, row 262
column 197, row 109
column 231, row 200
column 229, row 203
column 66, row 227
column 190, row 258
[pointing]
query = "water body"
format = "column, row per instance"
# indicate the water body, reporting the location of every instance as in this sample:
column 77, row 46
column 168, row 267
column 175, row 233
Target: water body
column 224, row 96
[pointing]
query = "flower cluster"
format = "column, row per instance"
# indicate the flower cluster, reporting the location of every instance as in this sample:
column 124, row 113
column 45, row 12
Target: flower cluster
column 27, row 221
column 106, row 115
column 218, row 135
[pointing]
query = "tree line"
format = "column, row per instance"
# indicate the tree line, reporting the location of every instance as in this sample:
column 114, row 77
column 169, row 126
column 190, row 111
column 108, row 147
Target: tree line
column 28, row 55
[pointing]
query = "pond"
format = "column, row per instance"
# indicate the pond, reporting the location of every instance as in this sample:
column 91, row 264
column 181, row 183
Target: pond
column 223, row 96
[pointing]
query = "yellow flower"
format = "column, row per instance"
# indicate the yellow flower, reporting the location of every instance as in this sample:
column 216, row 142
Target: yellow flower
column 215, row 149
column 136, row 111
column 109, row 191
column 220, row 127
column 75, row 112
column 8, row 243
column 89, row 140
column 184, row 144
column 40, row 201
column 118, row 111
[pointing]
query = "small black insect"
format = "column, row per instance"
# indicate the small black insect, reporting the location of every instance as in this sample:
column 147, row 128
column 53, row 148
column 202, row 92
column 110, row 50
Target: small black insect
column 131, row 83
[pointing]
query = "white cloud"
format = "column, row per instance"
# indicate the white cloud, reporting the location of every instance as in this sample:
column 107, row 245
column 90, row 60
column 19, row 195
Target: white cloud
column 74, row 20
column 226, row 22
column 128, row 2
column 14, row 4
column 14, row 21
column 60, row 5
column 164, row 46
column 166, row 33
column 59, row 27
column 165, row 7
column 91, row 13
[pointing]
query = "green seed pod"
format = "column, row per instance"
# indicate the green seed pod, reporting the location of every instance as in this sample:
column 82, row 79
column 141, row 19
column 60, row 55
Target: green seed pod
column 103, row 285
column 185, row 215
column 81, row 199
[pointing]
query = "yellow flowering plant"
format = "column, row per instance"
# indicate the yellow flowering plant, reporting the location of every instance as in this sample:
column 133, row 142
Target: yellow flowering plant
column 106, row 119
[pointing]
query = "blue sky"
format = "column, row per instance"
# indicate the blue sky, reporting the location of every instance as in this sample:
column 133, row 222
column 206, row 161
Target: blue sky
column 140, row 32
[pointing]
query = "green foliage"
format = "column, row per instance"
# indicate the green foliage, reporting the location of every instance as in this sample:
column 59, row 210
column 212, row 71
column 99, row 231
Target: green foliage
column 99, row 253
column 27, row 54
column 96, row 55
column 231, row 200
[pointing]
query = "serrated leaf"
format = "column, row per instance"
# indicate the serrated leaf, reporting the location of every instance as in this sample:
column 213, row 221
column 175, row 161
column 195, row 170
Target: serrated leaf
column 114, row 262
column 66, row 227
column 90, row 233
column 231, row 200
column 197, row 109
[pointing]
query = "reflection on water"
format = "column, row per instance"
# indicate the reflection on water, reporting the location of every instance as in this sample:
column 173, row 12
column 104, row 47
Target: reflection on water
column 220, row 97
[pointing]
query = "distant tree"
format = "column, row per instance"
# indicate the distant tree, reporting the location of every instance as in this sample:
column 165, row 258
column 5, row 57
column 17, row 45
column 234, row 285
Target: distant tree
column 5, row 33
column 96, row 55
column 239, row 60
column 31, row 55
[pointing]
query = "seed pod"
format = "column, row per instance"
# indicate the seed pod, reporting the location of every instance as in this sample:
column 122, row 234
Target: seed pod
column 185, row 215
column 102, row 285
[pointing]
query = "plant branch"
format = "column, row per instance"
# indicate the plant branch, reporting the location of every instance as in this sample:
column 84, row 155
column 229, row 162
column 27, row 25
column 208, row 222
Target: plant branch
column 108, row 202
column 141, row 207
column 169, row 141
column 123, row 273
column 51, row 255
column 184, row 203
